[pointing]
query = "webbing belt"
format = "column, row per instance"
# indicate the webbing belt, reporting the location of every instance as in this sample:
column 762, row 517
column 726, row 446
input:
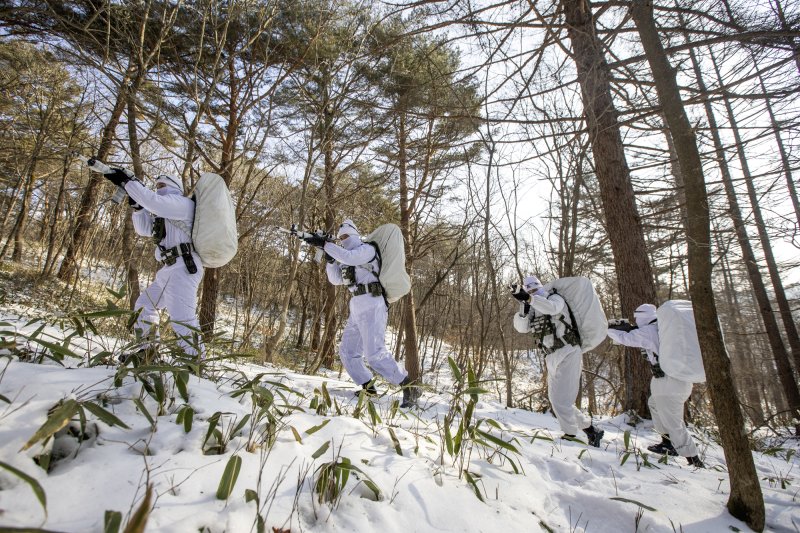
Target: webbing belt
column 374, row 288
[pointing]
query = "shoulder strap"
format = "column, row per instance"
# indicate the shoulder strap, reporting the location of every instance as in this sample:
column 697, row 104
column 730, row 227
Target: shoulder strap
column 570, row 327
column 368, row 264
column 181, row 225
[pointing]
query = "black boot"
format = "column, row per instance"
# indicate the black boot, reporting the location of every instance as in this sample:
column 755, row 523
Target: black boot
column 696, row 462
column 368, row 388
column 594, row 435
column 664, row 447
column 411, row 394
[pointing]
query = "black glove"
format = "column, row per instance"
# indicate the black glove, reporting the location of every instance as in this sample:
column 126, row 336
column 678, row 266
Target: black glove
column 316, row 240
column 520, row 294
column 622, row 325
column 119, row 176
column 133, row 204
column 657, row 372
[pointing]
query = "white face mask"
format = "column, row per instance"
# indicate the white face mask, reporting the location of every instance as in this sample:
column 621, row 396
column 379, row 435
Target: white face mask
column 351, row 242
column 163, row 191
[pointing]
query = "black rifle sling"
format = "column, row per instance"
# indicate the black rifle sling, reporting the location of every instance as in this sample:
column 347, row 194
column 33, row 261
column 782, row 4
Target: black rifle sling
column 570, row 328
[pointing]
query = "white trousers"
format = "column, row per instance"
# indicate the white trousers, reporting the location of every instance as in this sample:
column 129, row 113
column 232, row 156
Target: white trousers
column 174, row 290
column 667, row 396
column 563, row 382
column 363, row 342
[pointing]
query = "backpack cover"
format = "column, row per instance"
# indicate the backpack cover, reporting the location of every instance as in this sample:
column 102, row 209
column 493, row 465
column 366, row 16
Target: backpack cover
column 388, row 239
column 214, row 233
column 679, row 354
column 582, row 300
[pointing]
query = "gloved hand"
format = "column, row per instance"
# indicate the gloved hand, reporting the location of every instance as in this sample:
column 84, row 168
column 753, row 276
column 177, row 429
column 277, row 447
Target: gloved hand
column 519, row 293
column 133, row 204
column 621, row 324
column 120, row 176
column 316, row 240
column 657, row 372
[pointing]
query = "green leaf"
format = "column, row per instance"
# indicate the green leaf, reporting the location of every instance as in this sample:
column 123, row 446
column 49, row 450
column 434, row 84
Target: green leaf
column 296, row 435
column 112, row 521
column 326, row 395
column 213, row 420
column 140, row 405
column 627, row 439
column 240, row 425
column 346, row 466
column 117, row 294
column 182, row 384
column 498, row 441
column 58, row 350
column 250, row 496
column 448, row 439
column 106, row 313
column 186, row 417
column 373, row 414
column 473, row 392
column 229, row 477
column 138, row 522
column 104, row 415
column 625, row 457
column 312, row 430
column 160, row 390
column 458, row 437
column 626, row 500
column 493, row 423
column 474, row 484
column 59, row 418
column 395, row 441
column 34, row 485
column 322, row 449
column 454, row 369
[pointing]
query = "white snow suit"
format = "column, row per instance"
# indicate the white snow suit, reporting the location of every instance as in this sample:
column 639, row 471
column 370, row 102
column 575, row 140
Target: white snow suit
column 564, row 364
column 363, row 339
column 667, row 394
column 173, row 288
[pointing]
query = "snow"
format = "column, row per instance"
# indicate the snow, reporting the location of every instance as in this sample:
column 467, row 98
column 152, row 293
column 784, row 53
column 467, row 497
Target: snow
column 563, row 485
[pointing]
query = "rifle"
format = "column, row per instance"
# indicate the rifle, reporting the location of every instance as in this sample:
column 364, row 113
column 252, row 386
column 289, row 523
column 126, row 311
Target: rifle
column 306, row 237
column 621, row 324
column 98, row 166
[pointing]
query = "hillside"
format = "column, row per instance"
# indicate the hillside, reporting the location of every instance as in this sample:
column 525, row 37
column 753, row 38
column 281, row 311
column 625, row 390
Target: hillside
column 509, row 472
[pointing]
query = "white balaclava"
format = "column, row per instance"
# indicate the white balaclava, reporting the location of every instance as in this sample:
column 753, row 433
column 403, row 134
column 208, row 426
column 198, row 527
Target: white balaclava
column 353, row 237
column 533, row 286
column 173, row 185
column 644, row 314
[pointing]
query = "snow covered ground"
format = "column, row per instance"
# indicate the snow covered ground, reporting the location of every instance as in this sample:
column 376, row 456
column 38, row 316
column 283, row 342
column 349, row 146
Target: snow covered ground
column 311, row 421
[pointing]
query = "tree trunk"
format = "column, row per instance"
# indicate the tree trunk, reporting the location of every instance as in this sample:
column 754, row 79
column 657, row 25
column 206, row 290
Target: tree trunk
column 47, row 268
column 83, row 217
column 294, row 257
column 329, row 309
column 132, row 273
column 769, row 257
column 410, row 318
column 21, row 224
column 779, row 353
column 785, row 162
column 746, row 501
column 634, row 274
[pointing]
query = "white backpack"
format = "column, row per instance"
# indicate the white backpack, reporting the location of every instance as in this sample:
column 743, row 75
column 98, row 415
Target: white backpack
column 582, row 300
column 390, row 245
column 214, row 233
column 679, row 349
